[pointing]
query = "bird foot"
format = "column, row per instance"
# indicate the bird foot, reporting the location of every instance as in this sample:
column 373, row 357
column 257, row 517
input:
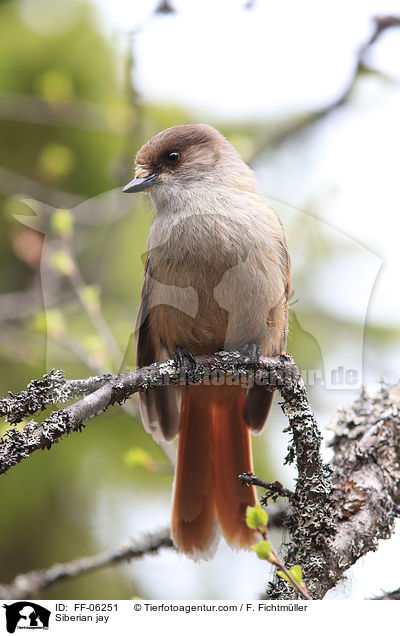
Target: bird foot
column 183, row 359
column 181, row 356
column 251, row 351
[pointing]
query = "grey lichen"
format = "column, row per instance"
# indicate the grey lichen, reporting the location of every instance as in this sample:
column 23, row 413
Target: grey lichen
column 362, row 506
column 51, row 389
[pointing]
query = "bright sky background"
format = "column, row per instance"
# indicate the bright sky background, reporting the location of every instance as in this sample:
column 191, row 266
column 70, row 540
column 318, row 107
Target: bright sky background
column 218, row 58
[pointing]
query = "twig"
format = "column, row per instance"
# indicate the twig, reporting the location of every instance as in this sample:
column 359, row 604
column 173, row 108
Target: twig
column 59, row 113
column 302, row 590
column 93, row 310
column 388, row 596
column 12, row 182
column 257, row 519
column 164, row 7
column 29, row 585
column 274, row 489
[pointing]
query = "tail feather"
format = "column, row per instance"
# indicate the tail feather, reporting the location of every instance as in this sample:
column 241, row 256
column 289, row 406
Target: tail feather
column 232, row 456
column 214, row 448
column 194, row 526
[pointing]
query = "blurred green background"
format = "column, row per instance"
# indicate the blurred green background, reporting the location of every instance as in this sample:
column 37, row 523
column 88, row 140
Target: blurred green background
column 71, row 121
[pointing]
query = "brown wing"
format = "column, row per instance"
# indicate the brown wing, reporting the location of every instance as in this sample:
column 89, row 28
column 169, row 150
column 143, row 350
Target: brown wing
column 259, row 401
column 160, row 407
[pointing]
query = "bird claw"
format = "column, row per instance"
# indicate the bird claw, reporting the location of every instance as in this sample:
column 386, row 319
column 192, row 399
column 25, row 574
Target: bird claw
column 181, row 356
column 251, row 351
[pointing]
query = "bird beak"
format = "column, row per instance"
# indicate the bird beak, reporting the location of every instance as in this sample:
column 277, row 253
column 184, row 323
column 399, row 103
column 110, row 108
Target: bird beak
column 140, row 184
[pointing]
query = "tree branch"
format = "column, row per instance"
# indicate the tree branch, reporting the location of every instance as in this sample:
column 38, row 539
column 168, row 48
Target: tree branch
column 100, row 392
column 388, row 596
column 365, row 502
column 331, row 523
column 29, row 585
column 367, row 477
column 311, row 499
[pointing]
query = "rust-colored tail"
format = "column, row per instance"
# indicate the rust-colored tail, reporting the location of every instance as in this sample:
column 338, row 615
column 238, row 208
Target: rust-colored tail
column 214, row 448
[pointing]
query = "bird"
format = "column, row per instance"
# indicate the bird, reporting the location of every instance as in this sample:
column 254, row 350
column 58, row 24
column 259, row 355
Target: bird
column 216, row 277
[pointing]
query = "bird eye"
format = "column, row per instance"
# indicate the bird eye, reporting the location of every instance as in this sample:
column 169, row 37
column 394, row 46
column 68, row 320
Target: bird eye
column 172, row 157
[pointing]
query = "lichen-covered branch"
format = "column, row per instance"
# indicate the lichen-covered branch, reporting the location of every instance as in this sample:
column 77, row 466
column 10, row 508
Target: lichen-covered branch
column 101, row 392
column 364, row 504
column 336, row 514
column 311, row 522
column 38, row 395
column 311, row 499
column 367, row 477
column 29, row 585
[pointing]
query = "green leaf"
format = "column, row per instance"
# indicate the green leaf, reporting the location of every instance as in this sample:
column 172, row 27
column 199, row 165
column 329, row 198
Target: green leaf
column 256, row 517
column 264, row 551
column 296, row 574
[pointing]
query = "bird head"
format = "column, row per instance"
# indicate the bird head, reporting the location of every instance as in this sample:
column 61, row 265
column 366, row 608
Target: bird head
column 186, row 155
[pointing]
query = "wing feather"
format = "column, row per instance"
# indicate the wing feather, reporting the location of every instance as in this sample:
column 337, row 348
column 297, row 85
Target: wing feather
column 160, row 407
column 259, row 401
